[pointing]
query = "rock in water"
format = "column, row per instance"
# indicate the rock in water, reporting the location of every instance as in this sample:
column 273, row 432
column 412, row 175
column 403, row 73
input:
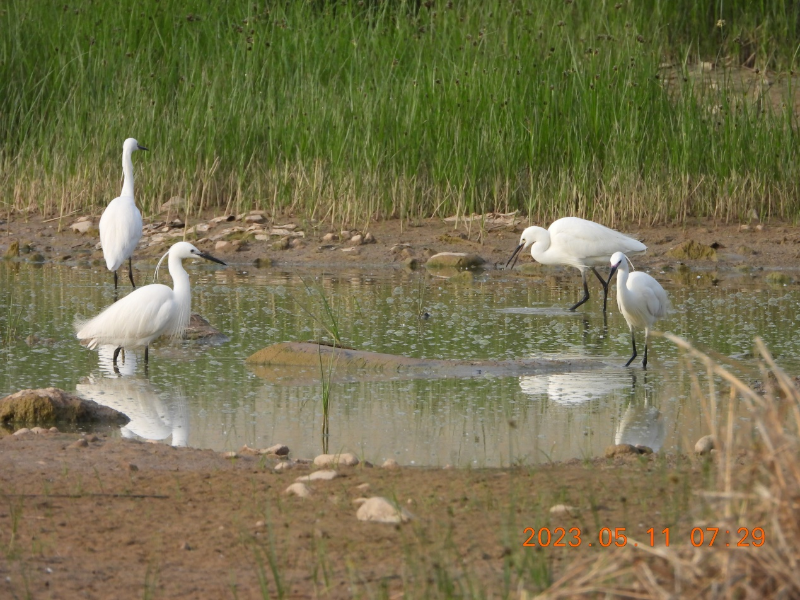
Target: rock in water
column 52, row 405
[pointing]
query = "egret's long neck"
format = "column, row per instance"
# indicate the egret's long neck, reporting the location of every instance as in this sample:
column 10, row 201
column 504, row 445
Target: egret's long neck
column 127, row 173
column 541, row 245
column 181, row 287
column 622, row 278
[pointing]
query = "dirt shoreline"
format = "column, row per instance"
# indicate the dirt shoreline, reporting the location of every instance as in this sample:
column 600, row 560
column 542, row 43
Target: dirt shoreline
column 125, row 519
column 769, row 245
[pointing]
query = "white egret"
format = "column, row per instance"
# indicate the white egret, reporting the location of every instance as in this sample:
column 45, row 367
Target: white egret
column 148, row 312
column 577, row 243
column 121, row 222
column 640, row 298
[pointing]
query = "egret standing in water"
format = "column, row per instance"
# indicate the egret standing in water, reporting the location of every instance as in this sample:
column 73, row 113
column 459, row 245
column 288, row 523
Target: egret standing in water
column 148, row 312
column 640, row 298
column 577, row 243
column 121, row 223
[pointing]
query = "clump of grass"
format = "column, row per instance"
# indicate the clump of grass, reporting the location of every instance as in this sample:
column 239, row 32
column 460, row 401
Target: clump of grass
column 352, row 110
column 760, row 491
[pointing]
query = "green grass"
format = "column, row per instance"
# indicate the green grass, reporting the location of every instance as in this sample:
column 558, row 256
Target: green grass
column 345, row 111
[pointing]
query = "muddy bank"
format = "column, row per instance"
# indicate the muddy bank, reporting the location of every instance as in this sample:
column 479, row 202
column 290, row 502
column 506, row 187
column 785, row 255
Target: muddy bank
column 156, row 521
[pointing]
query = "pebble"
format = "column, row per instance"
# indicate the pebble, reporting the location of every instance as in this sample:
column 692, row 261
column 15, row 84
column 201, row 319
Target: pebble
column 131, row 467
column 81, row 226
column 279, row 449
column 22, row 431
column 357, row 240
column 285, row 465
column 330, row 237
column 230, row 454
column 705, row 444
column 346, row 459
column 363, row 487
column 224, row 219
column 53, row 430
column 254, row 219
column 324, row 475
column 390, row 463
column 379, row 510
column 563, row 509
column 222, row 245
column 298, row 489
column 369, row 238
column 623, row 449
column 81, row 443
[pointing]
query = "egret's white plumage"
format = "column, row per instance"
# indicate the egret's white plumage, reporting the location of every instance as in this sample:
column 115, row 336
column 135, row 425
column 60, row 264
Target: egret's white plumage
column 577, row 243
column 640, row 298
column 148, row 312
column 121, row 222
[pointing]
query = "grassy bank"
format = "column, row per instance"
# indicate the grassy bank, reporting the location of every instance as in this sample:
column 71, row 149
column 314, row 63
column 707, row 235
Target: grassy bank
column 353, row 110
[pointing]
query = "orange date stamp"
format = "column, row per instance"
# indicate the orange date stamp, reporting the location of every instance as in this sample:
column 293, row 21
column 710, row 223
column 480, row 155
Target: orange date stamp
column 573, row 537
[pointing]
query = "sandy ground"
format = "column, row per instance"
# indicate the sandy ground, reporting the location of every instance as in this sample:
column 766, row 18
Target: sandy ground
column 124, row 519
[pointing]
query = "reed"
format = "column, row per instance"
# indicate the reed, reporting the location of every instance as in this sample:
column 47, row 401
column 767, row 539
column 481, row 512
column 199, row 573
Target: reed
column 347, row 111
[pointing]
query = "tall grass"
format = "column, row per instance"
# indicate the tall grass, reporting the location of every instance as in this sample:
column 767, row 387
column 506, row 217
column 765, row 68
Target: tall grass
column 757, row 484
column 350, row 110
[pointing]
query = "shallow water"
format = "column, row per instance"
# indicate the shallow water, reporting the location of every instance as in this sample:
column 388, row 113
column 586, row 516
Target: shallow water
column 204, row 395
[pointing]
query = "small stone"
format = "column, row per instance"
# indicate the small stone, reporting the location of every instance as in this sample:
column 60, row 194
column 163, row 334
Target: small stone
column 222, row 245
column 230, row 454
column 53, row 430
column 411, row 263
column 330, row 237
column 39, row 430
column 224, row 219
column 459, row 260
column 346, row 235
column 278, row 449
column 379, row 510
column 184, row 546
column 81, row 443
column 563, row 509
column 131, row 467
column 356, row 240
column 247, row 450
column 81, row 226
column 22, row 431
column 390, row 463
column 13, row 250
column 620, row 450
column 705, row 444
column 369, row 238
column 296, row 242
column 346, row 459
column 298, row 489
column 324, row 475
column 363, row 487
column 284, row 465
column 260, row 524
column 281, row 244
column 255, row 219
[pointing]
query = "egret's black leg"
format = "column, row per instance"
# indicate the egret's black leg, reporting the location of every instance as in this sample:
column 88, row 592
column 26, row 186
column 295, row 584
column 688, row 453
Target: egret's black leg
column 130, row 271
column 116, row 354
column 633, row 343
column 115, row 280
column 585, row 291
column 146, row 348
column 605, row 288
column 644, row 362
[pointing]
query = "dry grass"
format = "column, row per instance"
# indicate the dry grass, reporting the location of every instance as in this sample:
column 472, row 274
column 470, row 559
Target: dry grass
column 762, row 490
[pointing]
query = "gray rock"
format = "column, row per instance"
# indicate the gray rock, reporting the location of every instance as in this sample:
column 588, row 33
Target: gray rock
column 278, row 449
column 390, row 463
column 298, row 489
column 457, row 260
column 379, row 510
column 81, row 226
column 346, row 459
column 705, row 444
column 324, row 475
column 52, row 405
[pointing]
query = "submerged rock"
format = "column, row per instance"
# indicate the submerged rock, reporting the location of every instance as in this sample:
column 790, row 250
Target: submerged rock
column 691, row 250
column 51, row 405
column 458, row 260
column 200, row 329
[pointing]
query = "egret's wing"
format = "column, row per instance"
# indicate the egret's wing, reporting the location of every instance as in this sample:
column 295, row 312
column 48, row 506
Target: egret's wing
column 593, row 242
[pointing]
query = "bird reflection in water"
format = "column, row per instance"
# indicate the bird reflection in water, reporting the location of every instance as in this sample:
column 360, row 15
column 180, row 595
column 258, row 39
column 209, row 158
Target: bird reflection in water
column 574, row 388
column 642, row 424
column 150, row 417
